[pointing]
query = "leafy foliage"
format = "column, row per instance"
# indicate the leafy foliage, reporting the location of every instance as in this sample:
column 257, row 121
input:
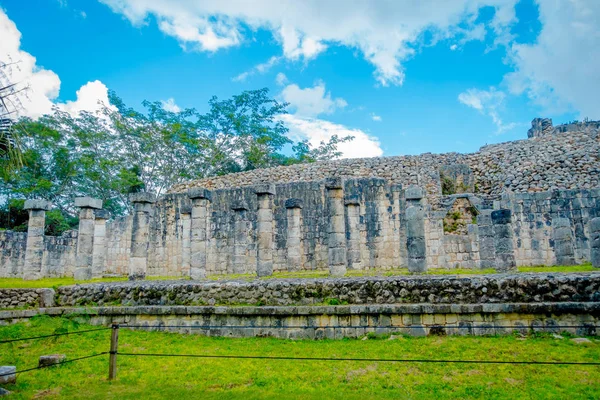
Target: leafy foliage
column 118, row 151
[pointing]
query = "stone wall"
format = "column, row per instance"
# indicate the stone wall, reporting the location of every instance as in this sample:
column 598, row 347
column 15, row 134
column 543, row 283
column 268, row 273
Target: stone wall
column 58, row 256
column 521, row 288
column 306, row 217
column 337, row 322
column 566, row 158
column 24, row 298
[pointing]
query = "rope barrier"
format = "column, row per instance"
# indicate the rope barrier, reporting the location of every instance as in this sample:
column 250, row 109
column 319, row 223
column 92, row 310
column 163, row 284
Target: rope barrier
column 55, row 334
column 52, row 365
column 400, row 360
column 590, row 327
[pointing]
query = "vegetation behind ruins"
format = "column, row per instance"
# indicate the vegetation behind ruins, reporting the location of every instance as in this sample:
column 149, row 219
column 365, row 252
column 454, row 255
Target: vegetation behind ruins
column 120, row 150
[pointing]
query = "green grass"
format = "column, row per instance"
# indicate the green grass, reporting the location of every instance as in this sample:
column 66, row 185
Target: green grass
column 189, row 378
column 55, row 282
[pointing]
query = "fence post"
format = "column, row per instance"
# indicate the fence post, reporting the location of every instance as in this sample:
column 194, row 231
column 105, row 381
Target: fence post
column 114, row 344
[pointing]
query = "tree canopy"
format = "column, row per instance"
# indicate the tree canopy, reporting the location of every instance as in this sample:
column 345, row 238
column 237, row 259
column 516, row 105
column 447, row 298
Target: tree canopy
column 119, row 150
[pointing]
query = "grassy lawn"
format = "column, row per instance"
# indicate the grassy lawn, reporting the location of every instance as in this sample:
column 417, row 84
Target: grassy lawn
column 183, row 378
column 55, row 282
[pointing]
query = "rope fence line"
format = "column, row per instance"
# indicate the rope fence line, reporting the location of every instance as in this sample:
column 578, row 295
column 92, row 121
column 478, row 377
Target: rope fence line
column 54, row 365
column 483, row 326
column 52, row 335
column 113, row 353
column 400, row 360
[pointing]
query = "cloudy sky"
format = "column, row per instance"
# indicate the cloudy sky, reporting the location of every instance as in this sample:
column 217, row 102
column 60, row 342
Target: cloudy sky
column 402, row 76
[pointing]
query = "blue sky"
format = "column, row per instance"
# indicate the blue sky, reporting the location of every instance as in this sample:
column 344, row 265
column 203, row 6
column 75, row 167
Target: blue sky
column 404, row 77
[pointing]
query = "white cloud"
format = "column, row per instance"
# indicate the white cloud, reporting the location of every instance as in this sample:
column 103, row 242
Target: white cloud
column 560, row 70
column 303, row 123
column 281, row 79
column 260, row 69
column 487, row 102
column 318, row 130
column 170, row 105
column 43, row 85
column 310, row 102
column 375, row 117
column 385, row 32
column 90, row 97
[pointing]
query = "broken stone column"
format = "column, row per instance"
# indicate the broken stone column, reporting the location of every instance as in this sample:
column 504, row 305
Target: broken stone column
column 487, row 247
column 353, row 224
column 595, row 239
column 35, row 237
column 563, row 241
column 140, row 234
column 264, row 225
column 186, row 240
column 415, row 230
column 503, row 241
column 336, row 233
column 199, row 232
column 85, row 236
column 99, row 255
column 294, row 236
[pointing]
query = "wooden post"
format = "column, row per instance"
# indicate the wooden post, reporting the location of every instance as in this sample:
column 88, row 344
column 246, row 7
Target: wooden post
column 114, row 344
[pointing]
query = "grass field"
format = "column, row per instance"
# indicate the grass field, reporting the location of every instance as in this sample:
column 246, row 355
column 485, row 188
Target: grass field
column 188, row 378
column 55, row 282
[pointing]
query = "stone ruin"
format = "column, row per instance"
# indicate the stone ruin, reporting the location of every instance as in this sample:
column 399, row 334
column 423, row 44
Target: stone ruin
column 528, row 202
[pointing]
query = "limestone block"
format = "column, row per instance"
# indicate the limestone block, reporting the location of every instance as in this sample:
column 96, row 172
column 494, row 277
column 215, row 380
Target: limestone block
column 7, row 374
column 293, row 203
column 52, row 359
column 334, row 183
column 88, row 202
column 37, row 204
column 142, row 197
column 264, row 189
column 102, row 214
column 595, row 241
column 413, row 192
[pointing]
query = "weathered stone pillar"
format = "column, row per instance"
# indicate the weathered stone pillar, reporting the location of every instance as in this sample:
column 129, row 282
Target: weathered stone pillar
column 199, row 231
column 294, row 236
column 85, row 236
column 186, row 242
column 264, row 225
column 415, row 230
column 336, row 234
column 240, row 237
column 140, row 234
column 99, row 256
column 595, row 238
column 563, row 241
column 35, row 237
column 503, row 241
column 353, row 227
column 487, row 247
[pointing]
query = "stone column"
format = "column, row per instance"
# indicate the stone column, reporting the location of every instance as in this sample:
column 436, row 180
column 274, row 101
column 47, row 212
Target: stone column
column 487, row 247
column 35, row 237
column 353, row 227
column 563, row 241
column 264, row 225
column 199, row 232
column 240, row 237
column 140, row 234
column 99, row 256
column 186, row 241
column 595, row 239
column 294, row 236
column 85, row 236
column 503, row 241
column 336, row 233
column 415, row 230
